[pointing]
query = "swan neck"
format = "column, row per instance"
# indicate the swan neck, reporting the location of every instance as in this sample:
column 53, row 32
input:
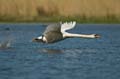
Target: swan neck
column 79, row 35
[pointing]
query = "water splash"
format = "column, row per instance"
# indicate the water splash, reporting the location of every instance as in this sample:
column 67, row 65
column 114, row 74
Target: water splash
column 5, row 44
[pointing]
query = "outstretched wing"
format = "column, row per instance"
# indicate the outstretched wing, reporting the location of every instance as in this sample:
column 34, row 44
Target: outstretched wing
column 53, row 28
column 53, row 33
column 67, row 26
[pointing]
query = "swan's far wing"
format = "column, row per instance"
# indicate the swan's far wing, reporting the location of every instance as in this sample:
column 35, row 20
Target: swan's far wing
column 52, row 28
column 67, row 26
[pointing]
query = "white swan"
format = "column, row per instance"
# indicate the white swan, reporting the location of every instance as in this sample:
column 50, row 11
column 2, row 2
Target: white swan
column 57, row 32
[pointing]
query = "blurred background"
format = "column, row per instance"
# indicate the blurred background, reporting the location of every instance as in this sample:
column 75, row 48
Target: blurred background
column 55, row 10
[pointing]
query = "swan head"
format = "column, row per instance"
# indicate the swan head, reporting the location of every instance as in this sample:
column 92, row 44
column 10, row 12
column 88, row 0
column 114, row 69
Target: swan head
column 97, row 36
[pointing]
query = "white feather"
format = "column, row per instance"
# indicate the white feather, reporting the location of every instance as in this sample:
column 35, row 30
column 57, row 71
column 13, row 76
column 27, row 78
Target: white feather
column 67, row 26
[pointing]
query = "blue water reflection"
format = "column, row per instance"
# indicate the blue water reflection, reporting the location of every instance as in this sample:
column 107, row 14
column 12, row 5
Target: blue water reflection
column 72, row 58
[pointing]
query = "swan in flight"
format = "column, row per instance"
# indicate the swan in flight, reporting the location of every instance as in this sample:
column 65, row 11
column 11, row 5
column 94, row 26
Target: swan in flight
column 57, row 32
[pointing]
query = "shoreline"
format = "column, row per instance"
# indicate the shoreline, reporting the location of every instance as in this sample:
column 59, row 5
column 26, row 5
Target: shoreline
column 54, row 19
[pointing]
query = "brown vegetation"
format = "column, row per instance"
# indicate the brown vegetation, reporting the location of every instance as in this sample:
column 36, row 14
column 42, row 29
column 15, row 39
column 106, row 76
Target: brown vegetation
column 32, row 9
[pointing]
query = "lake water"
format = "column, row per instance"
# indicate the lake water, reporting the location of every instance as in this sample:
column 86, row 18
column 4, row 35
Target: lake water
column 73, row 58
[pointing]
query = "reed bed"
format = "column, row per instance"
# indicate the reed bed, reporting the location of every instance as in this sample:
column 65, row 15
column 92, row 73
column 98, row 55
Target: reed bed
column 55, row 10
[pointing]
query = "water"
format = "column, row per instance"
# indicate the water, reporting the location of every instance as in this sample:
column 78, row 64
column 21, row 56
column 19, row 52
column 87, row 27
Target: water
column 73, row 58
